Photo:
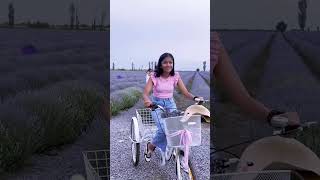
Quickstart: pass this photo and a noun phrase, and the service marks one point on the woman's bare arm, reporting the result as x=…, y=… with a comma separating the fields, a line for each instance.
x=146, y=93
x=228, y=77
x=184, y=90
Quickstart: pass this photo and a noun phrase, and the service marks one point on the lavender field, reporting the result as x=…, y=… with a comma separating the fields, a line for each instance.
x=125, y=83
x=280, y=70
x=52, y=101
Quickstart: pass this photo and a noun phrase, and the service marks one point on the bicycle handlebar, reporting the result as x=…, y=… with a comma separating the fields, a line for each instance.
x=155, y=106
x=200, y=101
x=279, y=121
x=293, y=128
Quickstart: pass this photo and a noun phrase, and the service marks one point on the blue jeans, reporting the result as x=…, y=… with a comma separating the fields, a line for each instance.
x=159, y=140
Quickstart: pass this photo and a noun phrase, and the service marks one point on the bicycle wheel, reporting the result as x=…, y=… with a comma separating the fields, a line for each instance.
x=135, y=147
x=181, y=174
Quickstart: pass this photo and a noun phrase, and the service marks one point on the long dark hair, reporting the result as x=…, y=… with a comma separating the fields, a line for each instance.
x=159, y=69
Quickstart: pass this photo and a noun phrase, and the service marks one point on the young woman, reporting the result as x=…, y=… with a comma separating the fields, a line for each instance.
x=162, y=82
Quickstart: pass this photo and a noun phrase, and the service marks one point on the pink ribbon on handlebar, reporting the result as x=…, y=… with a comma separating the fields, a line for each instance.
x=185, y=140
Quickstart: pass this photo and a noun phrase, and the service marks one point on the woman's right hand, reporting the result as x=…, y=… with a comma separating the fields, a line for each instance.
x=147, y=104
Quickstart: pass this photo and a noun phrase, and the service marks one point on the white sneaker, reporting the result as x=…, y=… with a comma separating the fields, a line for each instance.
x=147, y=153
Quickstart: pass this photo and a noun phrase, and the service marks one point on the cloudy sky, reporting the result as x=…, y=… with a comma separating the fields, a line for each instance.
x=54, y=11
x=141, y=30
x=261, y=14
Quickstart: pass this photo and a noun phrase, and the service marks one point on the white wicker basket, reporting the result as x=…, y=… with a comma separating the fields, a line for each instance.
x=97, y=164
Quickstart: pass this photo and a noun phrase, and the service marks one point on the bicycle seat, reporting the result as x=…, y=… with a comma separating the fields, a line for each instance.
x=276, y=153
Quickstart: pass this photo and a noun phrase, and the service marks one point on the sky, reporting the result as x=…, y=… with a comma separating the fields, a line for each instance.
x=142, y=30
x=261, y=14
x=54, y=11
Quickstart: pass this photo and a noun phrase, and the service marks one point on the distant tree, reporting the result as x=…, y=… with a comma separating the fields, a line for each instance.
x=302, y=13
x=77, y=18
x=72, y=14
x=94, y=24
x=113, y=66
x=132, y=66
x=204, y=65
x=149, y=64
x=103, y=17
x=152, y=65
x=39, y=24
x=11, y=14
x=198, y=69
x=281, y=26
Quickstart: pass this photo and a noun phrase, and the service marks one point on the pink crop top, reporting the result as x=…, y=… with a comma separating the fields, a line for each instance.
x=164, y=87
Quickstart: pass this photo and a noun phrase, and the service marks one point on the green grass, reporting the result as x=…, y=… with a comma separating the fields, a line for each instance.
x=34, y=122
x=124, y=99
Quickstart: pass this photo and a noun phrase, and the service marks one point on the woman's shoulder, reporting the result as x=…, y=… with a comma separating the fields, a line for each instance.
x=153, y=78
x=176, y=75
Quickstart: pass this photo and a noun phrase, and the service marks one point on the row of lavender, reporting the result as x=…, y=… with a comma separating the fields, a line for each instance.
x=50, y=89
